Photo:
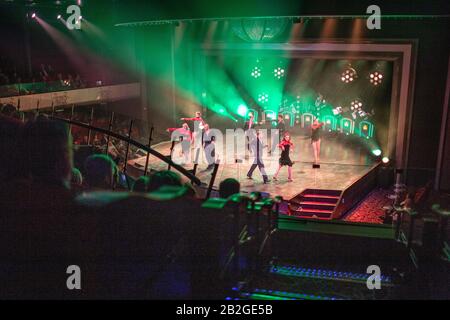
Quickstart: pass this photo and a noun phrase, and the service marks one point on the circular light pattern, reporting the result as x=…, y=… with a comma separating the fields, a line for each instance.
x=263, y=97
x=256, y=72
x=375, y=78
x=356, y=105
x=356, y=109
x=385, y=160
x=278, y=72
x=349, y=75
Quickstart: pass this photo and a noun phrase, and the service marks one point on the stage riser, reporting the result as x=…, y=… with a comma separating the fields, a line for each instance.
x=318, y=206
x=315, y=203
x=324, y=192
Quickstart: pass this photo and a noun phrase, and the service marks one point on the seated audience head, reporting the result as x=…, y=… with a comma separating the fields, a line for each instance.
x=164, y=178
x=100, y=172
x=229, y=187
x=141, y=184
x=9, y=110
x=48, y=148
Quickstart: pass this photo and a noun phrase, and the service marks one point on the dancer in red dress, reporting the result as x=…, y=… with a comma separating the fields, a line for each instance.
x=185, y=136
x=197, y=137
x=286, y=147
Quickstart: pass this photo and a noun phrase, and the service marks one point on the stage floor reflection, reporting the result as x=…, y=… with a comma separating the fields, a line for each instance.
x=342, y=163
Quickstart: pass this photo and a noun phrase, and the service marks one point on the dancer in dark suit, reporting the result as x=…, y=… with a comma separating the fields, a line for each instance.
x=257, y=147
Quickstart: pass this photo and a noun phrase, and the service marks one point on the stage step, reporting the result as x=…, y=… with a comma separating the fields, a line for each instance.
x=326, y=214
x=314, y=203
x=308, y=198
x=323, y=192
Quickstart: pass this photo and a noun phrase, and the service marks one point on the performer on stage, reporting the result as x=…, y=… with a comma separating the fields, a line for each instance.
x=249, y=125
x=257, y=148
x=209, y=147
x=286, y=147
x=199, y=124
x=315, y=139
x=185, y=135
x=281, y=126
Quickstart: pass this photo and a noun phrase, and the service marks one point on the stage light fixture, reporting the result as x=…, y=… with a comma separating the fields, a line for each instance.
x=58, y=17
x=33, y=15
x=242, y=110
x=356, y=105
x=263, y=97
x=256, y=72
x=375, y=78
x=349, y=74
x=278, y=72
x=385, y=160
x=376, y=152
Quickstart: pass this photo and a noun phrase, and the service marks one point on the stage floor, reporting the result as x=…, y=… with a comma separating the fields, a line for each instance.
x=341, y=165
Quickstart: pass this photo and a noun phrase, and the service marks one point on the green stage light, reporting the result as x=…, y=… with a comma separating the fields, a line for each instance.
x=256, y=72
x=376, y=152
x=263, y=97
x=242, y=110
x=278, y=72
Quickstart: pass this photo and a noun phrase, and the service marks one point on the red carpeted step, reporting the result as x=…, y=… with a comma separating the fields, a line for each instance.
x=317, y=205
x=309, y=195
x=310, y=198
x=311, y=217
x=313, y=211
x=323, y=192
x=315, y=202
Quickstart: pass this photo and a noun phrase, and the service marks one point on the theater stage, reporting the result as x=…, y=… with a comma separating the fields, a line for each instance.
x=342, y=163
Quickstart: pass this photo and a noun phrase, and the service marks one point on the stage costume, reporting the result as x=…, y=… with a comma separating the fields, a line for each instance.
x=315, y=141
x=315, y=133
x=197, y=137
x=185, y=136
x=257, y=150
x=209, y=148
x=285, y=160
x=249, y=128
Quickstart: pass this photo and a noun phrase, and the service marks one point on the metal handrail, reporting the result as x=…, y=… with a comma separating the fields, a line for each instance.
x=148, y=149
